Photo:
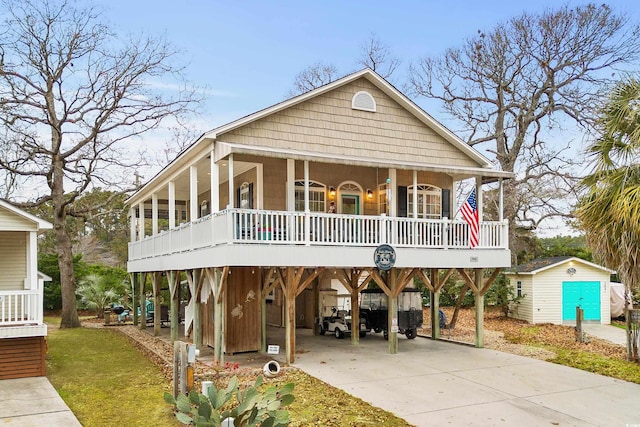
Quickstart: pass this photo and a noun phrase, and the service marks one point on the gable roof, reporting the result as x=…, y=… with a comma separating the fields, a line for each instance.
x=381, y=84
x=541, y=264
x=40, y=224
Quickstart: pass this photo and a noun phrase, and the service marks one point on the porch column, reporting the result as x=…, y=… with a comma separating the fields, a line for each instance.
x=479, y=196
x=479, y=302
x=193, y=193
x=260, y=185
x=393, y=311
x=355, y=307
x=232, y=192
x=291, y=185
x=141, y=220
x=31, y=279
x=215, y=184
x=501, y=203
x=307, y=220
x=415, y=194
x=393, y=207
x=172, y=205
x=132, y=224
x=154, y=214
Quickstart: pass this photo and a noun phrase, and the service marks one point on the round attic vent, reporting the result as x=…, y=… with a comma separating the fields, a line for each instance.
x=363, y=101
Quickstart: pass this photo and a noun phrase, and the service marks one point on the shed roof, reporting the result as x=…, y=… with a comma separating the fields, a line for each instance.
x=541, y=264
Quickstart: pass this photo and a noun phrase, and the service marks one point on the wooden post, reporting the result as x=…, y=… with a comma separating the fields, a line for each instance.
x=263, y=311
x=435, y=304
x=218, y=317
x=479, y=301
x=174, y=290
x=135, y=279
x=143, y=303
x=198, y=277
x=290, y=316
x=156, y=278
x=355, y=314
x=393, y=312
x=316, y=308
x=176, y=368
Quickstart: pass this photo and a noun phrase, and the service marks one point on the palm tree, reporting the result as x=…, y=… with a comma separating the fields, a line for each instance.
x=97, y=293
x=609, y=213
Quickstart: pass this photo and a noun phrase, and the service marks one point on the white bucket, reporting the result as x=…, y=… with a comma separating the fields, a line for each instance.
x=271, y=369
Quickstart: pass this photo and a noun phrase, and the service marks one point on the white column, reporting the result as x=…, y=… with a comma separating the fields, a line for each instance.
x=172, y=205
x=140, y=220
x=31, y=281
x=479, y=196
x=306, y=185
x=454, y=199
x=232, y=193
x=415, y=194
x=132, y=224
x=154, y=214
x=393, y=204
x=215, y=184
x=260, y=185
x=501, y=203
x=291, y=185
x=193, y=193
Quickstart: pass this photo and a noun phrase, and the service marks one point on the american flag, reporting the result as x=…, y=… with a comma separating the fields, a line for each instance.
x=470, y=214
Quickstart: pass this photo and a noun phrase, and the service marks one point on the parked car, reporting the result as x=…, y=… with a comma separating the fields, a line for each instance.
x=374, y=304
x=339, y=323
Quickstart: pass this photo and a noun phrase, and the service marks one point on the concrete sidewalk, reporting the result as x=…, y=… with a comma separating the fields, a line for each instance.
x=33, y=402
x=434, y=383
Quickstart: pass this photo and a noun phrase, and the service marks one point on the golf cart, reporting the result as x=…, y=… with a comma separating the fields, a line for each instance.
x=374, y=305
x=339, y=323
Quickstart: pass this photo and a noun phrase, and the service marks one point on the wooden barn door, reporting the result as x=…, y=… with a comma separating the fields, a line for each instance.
x=242, y=311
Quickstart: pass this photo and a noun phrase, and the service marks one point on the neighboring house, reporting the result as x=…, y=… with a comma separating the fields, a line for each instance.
x=22, y=330
x=554, y=287
x=243, y=213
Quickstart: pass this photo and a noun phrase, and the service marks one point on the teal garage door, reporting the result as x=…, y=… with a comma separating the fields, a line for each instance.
x=584, y=294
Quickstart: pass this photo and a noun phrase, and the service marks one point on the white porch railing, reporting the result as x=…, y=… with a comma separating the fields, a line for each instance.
x=21, y=307
x=314, y=228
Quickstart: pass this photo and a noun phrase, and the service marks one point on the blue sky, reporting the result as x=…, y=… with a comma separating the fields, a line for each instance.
x=248, y=52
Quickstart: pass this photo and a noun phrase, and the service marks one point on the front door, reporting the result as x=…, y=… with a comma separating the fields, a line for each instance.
x=583, y=294
x=350, y=204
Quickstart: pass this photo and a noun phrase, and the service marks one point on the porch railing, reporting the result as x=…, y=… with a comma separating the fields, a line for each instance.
x=21, y=307
x=315, y=228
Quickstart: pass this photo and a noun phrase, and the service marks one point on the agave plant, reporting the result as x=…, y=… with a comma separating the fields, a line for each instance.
x=254, y=407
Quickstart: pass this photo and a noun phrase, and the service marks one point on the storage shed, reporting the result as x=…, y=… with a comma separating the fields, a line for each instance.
x=553, y=287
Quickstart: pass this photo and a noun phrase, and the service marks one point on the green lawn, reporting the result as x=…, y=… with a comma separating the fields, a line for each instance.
x=104, y=380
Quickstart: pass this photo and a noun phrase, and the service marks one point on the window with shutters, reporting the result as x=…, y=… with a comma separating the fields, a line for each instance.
x=429, y=201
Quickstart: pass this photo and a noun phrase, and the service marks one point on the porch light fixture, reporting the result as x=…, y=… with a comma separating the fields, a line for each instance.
x=369, y=194
x=571, y=271
x=332, y=192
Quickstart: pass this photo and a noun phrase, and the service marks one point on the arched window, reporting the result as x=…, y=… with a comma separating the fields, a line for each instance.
x=429, y=201
x=317, y=196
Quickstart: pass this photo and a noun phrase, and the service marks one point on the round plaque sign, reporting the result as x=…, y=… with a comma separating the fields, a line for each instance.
x=384, y=257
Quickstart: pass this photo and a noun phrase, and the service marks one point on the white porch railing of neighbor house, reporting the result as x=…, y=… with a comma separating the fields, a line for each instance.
x=21, y=307
x=315, y=228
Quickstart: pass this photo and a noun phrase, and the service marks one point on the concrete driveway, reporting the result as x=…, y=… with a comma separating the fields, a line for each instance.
x=432, y=383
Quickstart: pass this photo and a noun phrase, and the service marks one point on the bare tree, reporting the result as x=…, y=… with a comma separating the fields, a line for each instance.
x=71, y=95
x=377, y=56
x=519, y=85
x=313, y=77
